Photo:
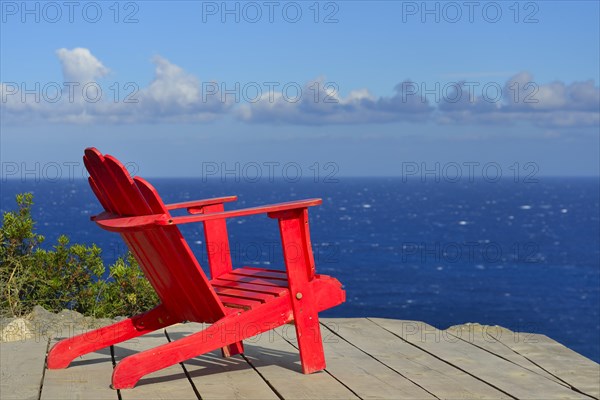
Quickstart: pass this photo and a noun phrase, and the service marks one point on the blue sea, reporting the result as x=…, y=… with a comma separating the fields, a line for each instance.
x=525, y=256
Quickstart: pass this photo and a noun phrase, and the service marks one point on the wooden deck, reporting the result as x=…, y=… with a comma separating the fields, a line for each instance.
x=367, y=358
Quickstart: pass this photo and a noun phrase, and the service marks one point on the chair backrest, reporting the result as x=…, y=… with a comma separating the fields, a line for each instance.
x=162, y=252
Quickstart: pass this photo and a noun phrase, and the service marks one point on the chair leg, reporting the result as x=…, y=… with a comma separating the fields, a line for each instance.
x=310, y=344
x=65, y=351
x=233, y=349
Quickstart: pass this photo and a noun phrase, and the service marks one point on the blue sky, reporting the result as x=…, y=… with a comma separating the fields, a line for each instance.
x=369, y=86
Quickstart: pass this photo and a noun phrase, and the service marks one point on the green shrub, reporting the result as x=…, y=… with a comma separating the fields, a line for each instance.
x=68, y=276
x=128, y=292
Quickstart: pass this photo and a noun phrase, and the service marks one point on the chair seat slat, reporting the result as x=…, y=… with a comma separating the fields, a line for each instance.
x=244, y=294
x=259, y=274
x=254, y=280
x=236, y=302
x=251, y=287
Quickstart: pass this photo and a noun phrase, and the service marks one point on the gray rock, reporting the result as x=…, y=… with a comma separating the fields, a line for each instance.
x=17, y=329
x=43, y=324
x=67, y=323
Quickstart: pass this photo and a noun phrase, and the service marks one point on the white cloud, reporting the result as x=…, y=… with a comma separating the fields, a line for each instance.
x=79, y=65
x=584, y=96
x=551, y=96
x=174, y=93
x=172, y=85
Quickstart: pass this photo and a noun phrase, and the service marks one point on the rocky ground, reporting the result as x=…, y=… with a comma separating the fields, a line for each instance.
x=41, y=323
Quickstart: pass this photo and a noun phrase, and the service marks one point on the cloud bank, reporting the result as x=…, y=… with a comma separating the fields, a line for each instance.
x=175, y=95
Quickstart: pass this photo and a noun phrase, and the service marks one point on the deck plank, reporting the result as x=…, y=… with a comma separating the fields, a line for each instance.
x=361, y=373
x=216, y=377
x=279, y=363
x=437, y=377
x=482, y=336
x=87, y=377
x=21, y=368
x=167, y=383
x=571, y=367
x=504, y=375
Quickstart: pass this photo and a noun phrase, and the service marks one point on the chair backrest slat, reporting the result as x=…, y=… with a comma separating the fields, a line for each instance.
x=162, y=252
x=150, y=195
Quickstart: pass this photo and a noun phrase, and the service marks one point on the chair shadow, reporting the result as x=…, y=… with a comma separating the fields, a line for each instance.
x=106, y=353
x=213, y=363
x=205, y=365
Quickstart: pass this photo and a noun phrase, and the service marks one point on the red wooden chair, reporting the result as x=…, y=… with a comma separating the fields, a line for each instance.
x=239, y=303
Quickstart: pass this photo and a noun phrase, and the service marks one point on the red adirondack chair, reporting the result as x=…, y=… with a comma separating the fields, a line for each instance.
x=239, y=303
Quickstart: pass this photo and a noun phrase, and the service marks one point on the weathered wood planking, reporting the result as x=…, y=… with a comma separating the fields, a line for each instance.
x=510, y=378
x=278, y=362
x=366, y=358
x=570, y=367
x=216, y=377
x=483, y=336
x=88, y=377
x=168, y=383
x=359, y=371
x=435, y=376
x=22, y=368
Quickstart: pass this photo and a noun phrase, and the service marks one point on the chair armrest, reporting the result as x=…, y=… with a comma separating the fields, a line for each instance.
x=116, y=223
x=271, y=208
x=200, y=203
